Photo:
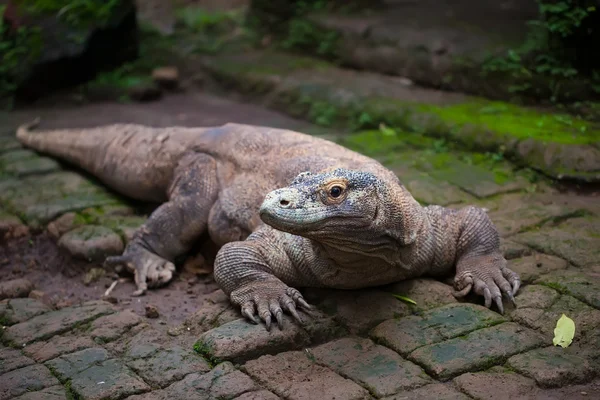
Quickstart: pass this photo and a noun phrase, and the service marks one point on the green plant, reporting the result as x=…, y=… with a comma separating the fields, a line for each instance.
x=540, y=55
x=17, y=49
x=75, y=12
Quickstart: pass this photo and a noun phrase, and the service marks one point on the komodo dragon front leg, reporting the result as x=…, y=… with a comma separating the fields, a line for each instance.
x=173, y=227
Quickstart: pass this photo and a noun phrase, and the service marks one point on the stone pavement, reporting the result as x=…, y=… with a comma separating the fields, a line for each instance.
x=359, y=344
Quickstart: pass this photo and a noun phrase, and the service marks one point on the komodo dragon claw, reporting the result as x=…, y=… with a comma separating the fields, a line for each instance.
x=489, y=277
x=150, y=270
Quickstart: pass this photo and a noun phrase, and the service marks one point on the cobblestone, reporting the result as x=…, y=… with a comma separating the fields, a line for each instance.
x=409, y=333
x=239, y=340
x=376, y=368
x=111, y=327
x=223, y=382
x=544, y=320
x=576, y=240
x=56, y=322
x=294, y=376
x=532, y=267
x=51, y=393
x=554, y=366
x=92, y=243
x=477, y=350
x=438, y=391
x=13, y=311
x=12, y=359
x=57, y=346
x=496, y=383
x=15, y=288
x=427, y=293
x=581, y=284
x=28, y=379
x=93, y=375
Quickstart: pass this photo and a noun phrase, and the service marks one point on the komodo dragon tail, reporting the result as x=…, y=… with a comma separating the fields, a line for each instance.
x=131, y=159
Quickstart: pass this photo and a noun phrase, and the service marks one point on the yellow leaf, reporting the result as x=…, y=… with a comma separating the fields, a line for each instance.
x=564, y=331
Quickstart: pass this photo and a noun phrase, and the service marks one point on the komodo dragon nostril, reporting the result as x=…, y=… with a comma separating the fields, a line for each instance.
x=284, y=203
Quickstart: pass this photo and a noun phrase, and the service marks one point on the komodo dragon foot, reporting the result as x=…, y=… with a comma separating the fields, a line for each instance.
x=270, y=299
x=149, y=269
x=488, y=276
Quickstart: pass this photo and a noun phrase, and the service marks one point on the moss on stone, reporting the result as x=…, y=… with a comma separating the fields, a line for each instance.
x=517, y=121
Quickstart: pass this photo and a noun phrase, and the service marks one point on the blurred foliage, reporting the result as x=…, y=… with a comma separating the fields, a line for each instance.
x=547, y=52
x=17, y=49
x=76, y=13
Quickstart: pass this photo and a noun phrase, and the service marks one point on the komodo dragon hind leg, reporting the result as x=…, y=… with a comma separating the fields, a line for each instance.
x=172, y=228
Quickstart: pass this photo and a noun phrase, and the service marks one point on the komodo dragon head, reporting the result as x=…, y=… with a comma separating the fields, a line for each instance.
x=344, y=208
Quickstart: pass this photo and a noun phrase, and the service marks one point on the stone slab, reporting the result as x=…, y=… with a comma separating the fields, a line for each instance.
x=110, y=327
x=28, y=379
x=428, y=190
x=554, y=366
x=477, y=350
x=13, y=311
x=437, y=391
x=167, y=365
x=56, y=322
x=51, y=393
x=11, y=359
x=500, y=385
x=241, y=340
x=581, y=284
x=57, y=346
x=107, y=380
x=377, y=368
x=67, y=366
x=512, y=249
x=586, y=318
x=409, y=333
x=532, y=267
x=576, y=240
x=427, y=293
x=292, y=375
x=223, y=382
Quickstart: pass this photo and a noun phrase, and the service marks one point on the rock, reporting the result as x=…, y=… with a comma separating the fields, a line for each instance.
x=62, y=225
x=144, y=92
x=479, y=349
x=223, y=382
x=57, y=346
x=553, y=367
x=92, y=243
x=15, y=288
x=36, y=294
x=151, y=311
x=11, y=359
x=23, y=380
x=54, y=323
x=293, y=375
x=93, y=275
x=241, y=340
x=73, y=50
x=11, y=226
x=503, y=385
x=406, y=334
x=13, y=311
x=166, y=77
x=377, y=368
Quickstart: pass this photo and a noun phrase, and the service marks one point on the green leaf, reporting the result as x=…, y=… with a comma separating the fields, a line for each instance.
x=405, y=299
x=564, y=331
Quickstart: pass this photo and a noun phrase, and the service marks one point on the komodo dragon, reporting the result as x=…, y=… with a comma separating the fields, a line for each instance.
x=332, y=217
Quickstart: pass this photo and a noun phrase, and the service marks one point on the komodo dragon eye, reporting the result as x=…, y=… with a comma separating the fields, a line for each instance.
x=335, y=191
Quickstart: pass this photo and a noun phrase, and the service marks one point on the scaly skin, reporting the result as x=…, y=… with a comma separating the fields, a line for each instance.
x=345, y=221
